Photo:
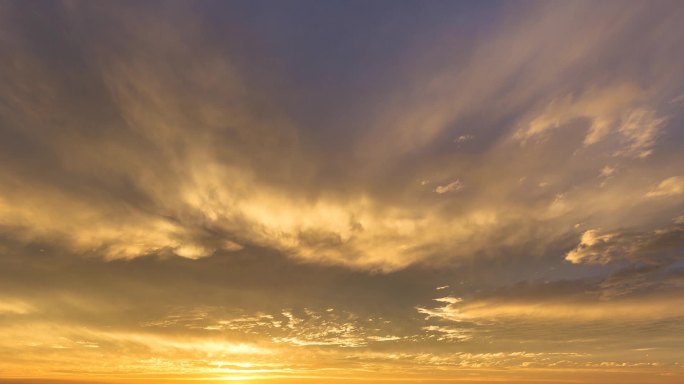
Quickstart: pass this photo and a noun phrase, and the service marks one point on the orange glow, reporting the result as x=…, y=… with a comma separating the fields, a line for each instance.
x=287, y=192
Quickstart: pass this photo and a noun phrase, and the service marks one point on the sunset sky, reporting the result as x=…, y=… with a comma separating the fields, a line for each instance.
x=342, y=192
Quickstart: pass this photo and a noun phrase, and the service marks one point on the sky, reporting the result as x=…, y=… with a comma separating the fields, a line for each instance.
x=342, y=191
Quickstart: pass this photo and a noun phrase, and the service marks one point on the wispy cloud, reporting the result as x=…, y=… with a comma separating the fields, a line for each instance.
x=451, y=187
x=671, y=186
